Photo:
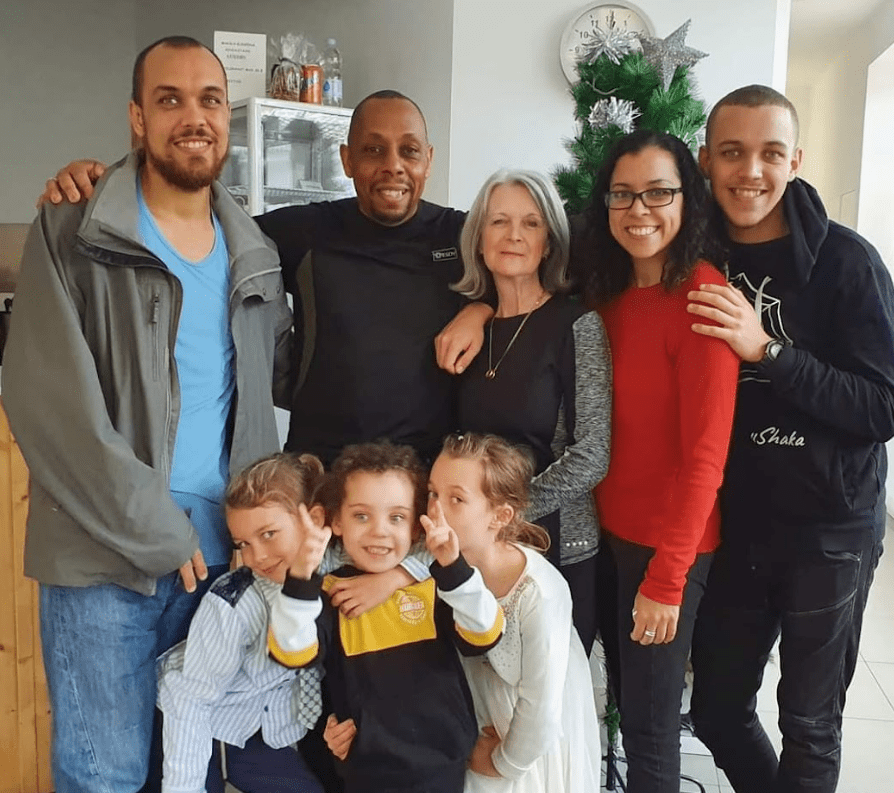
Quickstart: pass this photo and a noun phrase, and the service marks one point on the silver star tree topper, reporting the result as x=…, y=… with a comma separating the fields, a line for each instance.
x=667, y=55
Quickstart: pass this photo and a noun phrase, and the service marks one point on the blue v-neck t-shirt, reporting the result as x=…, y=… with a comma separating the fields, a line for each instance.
x=203, y=354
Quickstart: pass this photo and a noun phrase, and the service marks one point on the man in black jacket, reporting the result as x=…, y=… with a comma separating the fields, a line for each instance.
x=811, y=313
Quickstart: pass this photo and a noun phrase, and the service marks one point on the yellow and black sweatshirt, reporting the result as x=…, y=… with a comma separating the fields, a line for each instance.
x=395, y=671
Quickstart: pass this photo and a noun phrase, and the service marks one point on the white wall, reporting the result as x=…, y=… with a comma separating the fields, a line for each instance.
x=64, y=81
x=876, y=193
x=830, y=95
x=509, y=95
x=876, y=189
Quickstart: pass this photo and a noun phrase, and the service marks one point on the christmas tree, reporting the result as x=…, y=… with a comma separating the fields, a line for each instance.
x=622, y=89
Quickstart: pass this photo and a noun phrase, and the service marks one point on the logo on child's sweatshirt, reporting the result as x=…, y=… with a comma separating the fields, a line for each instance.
x=774, y=435
x=410, y=607
x=407, y=617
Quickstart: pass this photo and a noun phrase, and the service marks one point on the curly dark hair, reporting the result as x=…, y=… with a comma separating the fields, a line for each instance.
x=376, y=458
x=610, y=268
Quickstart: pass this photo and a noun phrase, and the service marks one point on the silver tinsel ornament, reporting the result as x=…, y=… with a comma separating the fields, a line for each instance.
x=615, y=42
x=667, y=55
x=613, y=111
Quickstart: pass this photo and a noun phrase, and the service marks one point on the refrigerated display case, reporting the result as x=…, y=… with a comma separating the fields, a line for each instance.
x=284, y=153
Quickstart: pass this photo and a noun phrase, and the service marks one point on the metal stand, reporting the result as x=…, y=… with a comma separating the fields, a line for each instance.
x=612, y=777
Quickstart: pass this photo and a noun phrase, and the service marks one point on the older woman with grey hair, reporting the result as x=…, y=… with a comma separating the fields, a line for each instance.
x=543, y=377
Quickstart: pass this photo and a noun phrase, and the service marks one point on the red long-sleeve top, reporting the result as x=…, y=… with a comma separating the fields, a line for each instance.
x=672, y=412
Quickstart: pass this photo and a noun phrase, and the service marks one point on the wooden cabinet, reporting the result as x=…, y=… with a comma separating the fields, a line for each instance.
x=24, y=707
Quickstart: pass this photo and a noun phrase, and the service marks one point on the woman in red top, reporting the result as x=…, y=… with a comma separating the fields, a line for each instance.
x=672, y=412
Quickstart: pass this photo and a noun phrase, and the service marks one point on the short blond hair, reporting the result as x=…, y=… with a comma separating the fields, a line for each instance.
x=285, y=479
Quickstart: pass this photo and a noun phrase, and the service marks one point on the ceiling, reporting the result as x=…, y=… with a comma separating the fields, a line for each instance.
x=819, y=27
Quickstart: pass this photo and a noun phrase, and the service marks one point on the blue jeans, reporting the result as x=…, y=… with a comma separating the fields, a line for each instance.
x=99, y=649
x=647, y=679
x=815, y=600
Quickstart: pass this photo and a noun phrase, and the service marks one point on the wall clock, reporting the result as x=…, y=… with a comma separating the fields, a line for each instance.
x=593, y=23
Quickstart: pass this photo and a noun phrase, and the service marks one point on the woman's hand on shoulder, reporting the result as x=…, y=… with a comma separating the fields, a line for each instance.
x=653, y=622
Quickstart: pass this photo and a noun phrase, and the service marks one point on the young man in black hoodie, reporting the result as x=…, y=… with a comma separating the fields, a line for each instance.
x=811, y=313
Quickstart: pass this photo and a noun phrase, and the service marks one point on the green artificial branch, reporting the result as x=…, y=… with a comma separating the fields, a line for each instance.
x=675, y=110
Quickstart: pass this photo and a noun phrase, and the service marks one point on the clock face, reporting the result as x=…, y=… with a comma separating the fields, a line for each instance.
x=594, y=22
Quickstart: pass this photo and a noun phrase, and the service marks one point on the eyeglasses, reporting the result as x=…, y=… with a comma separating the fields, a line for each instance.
x=656, y=197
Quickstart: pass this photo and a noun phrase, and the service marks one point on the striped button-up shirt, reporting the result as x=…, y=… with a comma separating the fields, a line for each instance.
x=221, y=683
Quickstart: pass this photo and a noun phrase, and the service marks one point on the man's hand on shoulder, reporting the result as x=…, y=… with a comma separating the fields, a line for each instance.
x=738, y=324
x=73, y=182
x=462, y=338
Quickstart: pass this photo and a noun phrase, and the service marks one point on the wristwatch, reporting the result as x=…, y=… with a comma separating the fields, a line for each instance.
x=772, y=350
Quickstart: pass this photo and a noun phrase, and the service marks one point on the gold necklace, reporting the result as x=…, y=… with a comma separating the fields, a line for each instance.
x=491, y=372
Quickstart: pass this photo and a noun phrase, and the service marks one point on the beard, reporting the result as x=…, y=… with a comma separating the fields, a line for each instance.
x=195, y=175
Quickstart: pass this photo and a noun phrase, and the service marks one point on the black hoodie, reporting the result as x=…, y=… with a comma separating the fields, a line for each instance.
x=807, y=461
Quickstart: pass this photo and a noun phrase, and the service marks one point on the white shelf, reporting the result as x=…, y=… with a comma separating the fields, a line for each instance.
x=284, y=153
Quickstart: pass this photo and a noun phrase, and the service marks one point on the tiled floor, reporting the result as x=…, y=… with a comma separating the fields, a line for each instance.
x=868, y=733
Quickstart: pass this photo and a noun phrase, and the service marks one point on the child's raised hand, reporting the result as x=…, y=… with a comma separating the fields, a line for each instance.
x=339, y=735
x=314, y=541
x=481, y=761
x=440, y=538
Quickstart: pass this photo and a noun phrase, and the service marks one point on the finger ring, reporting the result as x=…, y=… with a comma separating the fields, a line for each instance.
x=650, y=634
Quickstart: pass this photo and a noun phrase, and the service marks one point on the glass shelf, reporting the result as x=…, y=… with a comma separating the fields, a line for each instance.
x=284, y=153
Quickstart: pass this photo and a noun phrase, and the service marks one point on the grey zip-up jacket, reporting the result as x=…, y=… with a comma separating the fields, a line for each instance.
x=90, y=384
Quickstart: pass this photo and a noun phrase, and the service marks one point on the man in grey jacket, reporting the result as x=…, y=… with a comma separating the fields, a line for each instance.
x=139, y=371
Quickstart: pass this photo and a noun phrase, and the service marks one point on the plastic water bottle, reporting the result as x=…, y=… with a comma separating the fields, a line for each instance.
x=331, y=64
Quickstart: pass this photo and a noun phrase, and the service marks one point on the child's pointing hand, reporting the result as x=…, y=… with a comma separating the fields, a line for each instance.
x=440, y=539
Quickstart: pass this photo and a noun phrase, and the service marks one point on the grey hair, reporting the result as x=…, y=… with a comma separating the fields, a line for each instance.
x=477, y=280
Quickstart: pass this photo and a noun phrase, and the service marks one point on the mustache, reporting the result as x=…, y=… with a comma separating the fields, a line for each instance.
x=198, y=136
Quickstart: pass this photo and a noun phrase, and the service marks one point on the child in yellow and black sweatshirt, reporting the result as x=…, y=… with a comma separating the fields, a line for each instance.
x=394, y=671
